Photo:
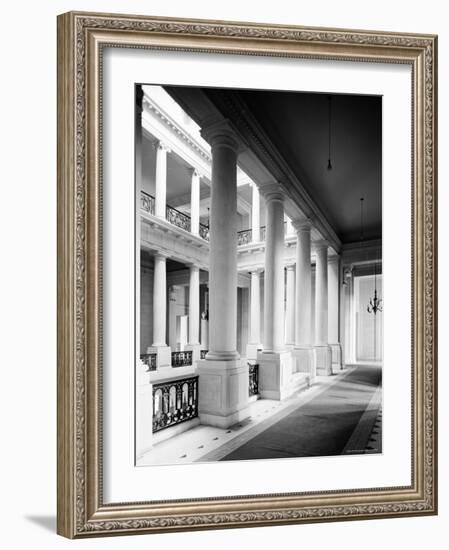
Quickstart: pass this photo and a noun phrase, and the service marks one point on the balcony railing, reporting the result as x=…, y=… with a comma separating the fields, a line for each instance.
x=182, y=220
x=203, y=353
x=181, y=358
x=147, y=202
x=172, y=215
x=204, y=232
x=178, y=218
x=253, y=387
x=244, y=237
x=149, y=359
x=174, y=402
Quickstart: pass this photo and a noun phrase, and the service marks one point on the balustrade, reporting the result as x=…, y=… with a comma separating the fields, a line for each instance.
x=147, y=202
x=174, y=402
x=175, y=217
x=179, y=219
x=244, y=237
x=181, y=358
x=204, y=231
x=253, y=372
x=203, y=353
x=149, y=359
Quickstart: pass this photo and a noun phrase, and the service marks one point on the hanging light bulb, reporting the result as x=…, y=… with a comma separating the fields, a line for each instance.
x=329, y=163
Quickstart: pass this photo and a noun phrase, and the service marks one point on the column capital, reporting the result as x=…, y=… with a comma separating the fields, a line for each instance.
x=256, y=270
x=272, y=192
x=333, y=259
x=302, y=225
x=159, y=145
x=161, y=255
x=290, y=266
x=320, y=245
x=193, y=267
x=221, y=134
x=195, y=172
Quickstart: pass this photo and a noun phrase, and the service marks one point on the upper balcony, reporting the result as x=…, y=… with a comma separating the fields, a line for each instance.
x=181, y=220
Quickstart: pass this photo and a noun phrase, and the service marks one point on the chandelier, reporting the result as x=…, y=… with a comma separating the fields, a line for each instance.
x=375, y=304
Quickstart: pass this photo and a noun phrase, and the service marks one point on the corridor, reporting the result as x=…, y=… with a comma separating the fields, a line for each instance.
x=339, y=414
x=324, y=425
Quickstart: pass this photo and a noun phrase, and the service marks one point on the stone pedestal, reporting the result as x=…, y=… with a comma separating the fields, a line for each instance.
x=252, y=350
x=144, y=410
x=336, y=355
x=196, y=351
x=275, y=374
x=223, y=392
x=304, y=361
x=163, y=355
x=323, y=360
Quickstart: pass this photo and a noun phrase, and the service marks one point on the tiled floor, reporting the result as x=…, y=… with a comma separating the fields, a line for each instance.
x=206, y=443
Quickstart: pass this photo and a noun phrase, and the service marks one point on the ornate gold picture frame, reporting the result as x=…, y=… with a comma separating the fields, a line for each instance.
x=82, y=40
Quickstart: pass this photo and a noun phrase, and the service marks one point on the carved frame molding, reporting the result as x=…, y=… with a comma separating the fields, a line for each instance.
x=81, y=37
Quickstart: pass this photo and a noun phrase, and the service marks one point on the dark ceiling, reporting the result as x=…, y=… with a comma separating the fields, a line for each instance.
x=298, y=126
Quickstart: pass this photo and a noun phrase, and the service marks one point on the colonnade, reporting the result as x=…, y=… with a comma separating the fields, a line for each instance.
x=287, y=348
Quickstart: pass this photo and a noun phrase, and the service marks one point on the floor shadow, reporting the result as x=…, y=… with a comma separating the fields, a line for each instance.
x=46, y=522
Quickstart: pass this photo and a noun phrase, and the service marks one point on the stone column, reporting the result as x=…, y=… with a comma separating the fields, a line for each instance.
x=160, y=200
x=160, y=313
x=303, y=352
x=172, y=310
x=195, y=203
x=254, y=323
x=275, y=362
x=290, y=306
x=274, y=274
x=322, y=350
x=223, y=382
x=349, y=316
x=194, y=313
x=333, y=277
x=255, y=214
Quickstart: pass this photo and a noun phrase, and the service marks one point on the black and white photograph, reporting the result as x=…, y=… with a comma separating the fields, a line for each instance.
x=258, y=274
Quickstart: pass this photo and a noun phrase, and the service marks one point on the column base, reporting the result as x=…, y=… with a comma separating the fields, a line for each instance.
x=252, y=349
x=275, y=374
x=337, y=362
x=323, y=360
x=163, y=356
x=304, y=361
x=223, y=392
x=196, y=351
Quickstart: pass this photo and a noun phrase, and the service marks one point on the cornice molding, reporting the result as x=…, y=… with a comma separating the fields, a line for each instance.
x=153, y=108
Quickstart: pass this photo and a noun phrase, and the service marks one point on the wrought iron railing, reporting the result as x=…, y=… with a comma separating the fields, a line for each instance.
x=149, y=359
x=174, y=216
x=174, y=402
x=244, y=237
x=181, y=358
x=182, y=220
x=178, y=218
x=147, y=202
x=203, y=353
x=253, y=371
x=204, y=231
